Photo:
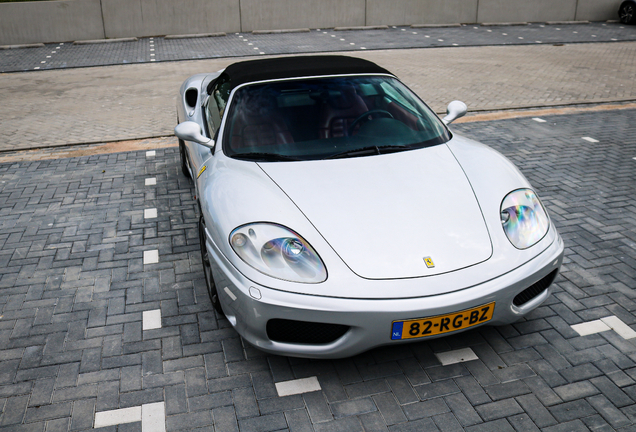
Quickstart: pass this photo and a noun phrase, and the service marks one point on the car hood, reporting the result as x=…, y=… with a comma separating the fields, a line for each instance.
x=384, y=215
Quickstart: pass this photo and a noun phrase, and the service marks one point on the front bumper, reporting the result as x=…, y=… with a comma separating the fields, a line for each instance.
x=249, y=306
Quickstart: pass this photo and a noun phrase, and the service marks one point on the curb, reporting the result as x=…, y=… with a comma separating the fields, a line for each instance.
x=33, y=45
x=375, y=27
x=566, y=22
x=435, y=25
x=504, y=24
x=103, y=41
x=196, y=35
x=300, y=30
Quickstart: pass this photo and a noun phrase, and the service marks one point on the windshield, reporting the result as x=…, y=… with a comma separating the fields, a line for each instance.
x=324, y=118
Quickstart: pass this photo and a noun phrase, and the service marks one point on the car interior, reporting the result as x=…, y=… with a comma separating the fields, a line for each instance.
x=324, y=115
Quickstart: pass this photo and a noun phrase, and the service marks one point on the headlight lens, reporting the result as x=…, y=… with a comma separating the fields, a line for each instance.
x=278, y=252
x=523, y=218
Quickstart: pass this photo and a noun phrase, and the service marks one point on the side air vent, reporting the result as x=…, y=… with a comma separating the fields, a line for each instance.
x=191, y=96
x=302, y=332
x=534, y=290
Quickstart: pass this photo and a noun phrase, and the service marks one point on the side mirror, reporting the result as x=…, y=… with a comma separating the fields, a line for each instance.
x=455, y=110
x=191, y=131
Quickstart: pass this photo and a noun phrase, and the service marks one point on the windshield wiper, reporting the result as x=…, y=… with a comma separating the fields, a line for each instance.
x=367, y=151
x=264, y=157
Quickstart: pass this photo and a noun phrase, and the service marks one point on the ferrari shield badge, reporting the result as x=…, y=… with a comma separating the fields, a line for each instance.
x=429, y=262
x=201, y=171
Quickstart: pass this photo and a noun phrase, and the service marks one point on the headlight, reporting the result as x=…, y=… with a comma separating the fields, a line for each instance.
x=523, y=218
x=278, y=252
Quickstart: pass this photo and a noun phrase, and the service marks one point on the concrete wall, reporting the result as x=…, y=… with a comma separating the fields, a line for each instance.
x=291, y=14
x=50, y=21
x=69, y=20
x=406, y=12
x=597, y=10
x=493, y=11
x=123, y=18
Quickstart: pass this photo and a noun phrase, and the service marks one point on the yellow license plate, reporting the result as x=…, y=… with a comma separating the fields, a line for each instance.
x=440, y=324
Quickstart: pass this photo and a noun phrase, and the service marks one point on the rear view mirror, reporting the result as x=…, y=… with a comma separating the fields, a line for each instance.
x=191, y=131
x=455, y=110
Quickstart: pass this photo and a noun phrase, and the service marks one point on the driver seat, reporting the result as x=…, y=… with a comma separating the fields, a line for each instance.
x=337, y=113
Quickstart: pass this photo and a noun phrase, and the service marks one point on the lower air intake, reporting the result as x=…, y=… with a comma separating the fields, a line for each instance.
x=302, y=332
x=529, y=293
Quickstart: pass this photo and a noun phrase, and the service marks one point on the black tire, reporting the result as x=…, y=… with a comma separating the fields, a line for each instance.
x=627, y=13
x=207, y=269
x=184, y=159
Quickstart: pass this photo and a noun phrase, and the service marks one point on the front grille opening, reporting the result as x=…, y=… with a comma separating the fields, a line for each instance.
x=303, y=332
x=534, y=290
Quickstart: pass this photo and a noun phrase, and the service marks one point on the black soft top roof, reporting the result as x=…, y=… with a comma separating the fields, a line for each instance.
x=299, y=66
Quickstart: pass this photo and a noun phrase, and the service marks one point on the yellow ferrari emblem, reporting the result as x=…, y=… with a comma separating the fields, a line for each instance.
x=201, y=171
x=429, y=262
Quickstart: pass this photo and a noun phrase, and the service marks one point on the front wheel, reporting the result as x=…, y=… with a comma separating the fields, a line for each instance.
x=207, y=268
x=627, y=13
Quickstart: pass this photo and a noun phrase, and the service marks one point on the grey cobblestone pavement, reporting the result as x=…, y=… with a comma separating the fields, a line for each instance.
x=67, y=55
x=74, y=289
x=109, y=103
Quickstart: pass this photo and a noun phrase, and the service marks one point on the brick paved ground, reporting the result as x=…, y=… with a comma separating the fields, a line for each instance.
x=66, y=55
x=83, y=105
x=73, y=289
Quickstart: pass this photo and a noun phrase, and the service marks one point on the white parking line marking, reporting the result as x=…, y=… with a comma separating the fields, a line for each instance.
x=150, y=153
x=150, y=213
x=619, y=327
x=456, y=356
x=537, y=119
x=592, y=140
x=303, y=385
x=118, y=416
x=151, y=256
x=38, y=67
x=590, y=327
x=151, y=181
x=151, y=319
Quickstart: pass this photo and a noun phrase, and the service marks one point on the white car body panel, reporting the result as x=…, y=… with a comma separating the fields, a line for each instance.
x=381, y=234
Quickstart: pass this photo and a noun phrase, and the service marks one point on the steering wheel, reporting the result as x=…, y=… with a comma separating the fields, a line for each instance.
x=367, y=116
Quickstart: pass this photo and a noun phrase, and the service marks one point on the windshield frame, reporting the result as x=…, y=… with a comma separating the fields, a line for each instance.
x=223, y=130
